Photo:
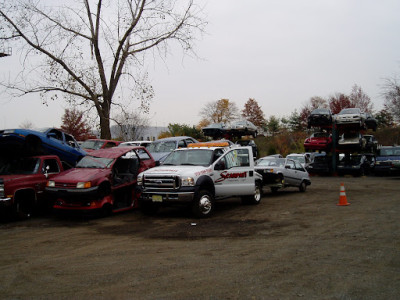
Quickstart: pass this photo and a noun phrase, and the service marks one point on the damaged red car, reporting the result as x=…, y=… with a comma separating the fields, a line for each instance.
x=105, y=181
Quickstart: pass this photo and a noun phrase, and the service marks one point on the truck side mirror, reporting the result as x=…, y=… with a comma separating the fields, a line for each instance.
x=220, y=165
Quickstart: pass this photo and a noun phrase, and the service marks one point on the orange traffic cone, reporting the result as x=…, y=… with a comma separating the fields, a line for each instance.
x=342, y=197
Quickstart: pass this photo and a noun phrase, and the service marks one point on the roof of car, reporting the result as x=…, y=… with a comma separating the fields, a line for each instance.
x=113, y=152
x=174, y=138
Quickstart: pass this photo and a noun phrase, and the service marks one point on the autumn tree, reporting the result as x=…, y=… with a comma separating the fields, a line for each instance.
x=272, y=125
x=74, y=123
x=93, y=52
x=339, y=101
x=220, y=111
x=253, y=113
x=176, y=129
x=384, y=118
x=391, y=92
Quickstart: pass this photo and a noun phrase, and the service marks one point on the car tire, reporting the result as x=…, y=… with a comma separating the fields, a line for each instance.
x=303, y=186
x=203, y=204
x=256, y=198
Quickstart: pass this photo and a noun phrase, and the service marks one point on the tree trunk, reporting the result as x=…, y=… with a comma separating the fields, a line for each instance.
x=105, y=132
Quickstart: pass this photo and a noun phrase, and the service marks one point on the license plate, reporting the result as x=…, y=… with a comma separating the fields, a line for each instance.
x=156, y=198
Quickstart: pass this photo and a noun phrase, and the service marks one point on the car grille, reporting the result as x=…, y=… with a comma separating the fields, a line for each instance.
x=65, y=185
x=161, y=182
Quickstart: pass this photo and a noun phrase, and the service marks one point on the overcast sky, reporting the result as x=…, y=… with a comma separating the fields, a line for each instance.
x=279, y=52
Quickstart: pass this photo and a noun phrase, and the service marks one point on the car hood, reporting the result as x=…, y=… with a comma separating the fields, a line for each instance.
x=17, y=177
x=179, y=170
x=81, y=174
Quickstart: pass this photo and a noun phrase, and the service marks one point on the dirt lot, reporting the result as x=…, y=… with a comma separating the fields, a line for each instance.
x=293, y=245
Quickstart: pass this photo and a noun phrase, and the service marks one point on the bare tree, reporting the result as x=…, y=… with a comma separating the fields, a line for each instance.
x=361, y=100
x=391, y=92
x=220, y=111
x=93, y=51
x=131, y=126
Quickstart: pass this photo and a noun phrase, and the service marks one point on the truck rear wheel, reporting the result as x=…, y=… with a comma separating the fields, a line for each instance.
x=256, y=197
x=203, y=204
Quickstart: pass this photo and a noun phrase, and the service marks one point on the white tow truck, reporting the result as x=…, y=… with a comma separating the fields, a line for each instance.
x=199, y=175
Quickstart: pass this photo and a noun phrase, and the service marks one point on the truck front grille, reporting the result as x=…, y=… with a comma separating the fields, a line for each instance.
x=161, y=182
x=1, y=188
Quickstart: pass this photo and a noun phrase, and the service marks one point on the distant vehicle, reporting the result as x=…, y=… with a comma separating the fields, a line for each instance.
x=350, y=116
x=387, y=160
x=215, y=130
x=319, y=117
x=318, y=141
x=359, y=164
x=352, y=140
x=22, y=184
x=250, y=143
x=160, y=149
x=241, y=128
x=27, y=142
x=321, y=164
x=96, y=144
x=302, y=158
x=370, y=121
x=135, y=143
x=103, y=181
x=279, y=173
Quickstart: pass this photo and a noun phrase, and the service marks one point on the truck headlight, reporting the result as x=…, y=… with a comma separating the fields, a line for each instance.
x=83, y=185
x=187, y=181
x=139, y=180
x=51, y=183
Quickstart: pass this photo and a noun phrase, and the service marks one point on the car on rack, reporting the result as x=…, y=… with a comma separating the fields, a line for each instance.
x=161, y=148
x=321, y=164
x=356, y=164
x=198, y=176
x=371, y=144
x=96, y=144
x=350, y=116
x=44, y=141
x=241, y=128
x=279, y=173
x=320, y=117
x=387, y=160
x=370, y=121
x=351, y=141
x=103, y=181
x=318, y=141
x=215, y=130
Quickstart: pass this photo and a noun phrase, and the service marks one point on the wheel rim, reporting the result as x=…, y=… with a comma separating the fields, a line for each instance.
x=257, y=195
x=205, y=205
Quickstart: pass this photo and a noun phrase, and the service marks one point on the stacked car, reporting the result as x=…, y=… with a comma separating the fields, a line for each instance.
x=233, y=129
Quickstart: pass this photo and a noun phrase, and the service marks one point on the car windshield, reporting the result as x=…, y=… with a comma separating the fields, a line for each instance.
x=349, y=111
x=89, y=161
x=321, y=134
x=390, y=152
x=300, y=159
x=166, y=146
x=271, y=162
x=93, y=145
x=20, y=166
x=197, y=157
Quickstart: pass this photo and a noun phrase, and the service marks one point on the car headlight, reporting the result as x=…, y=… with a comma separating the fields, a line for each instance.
x=188, y=181
x=83, y=185
x=51, y=183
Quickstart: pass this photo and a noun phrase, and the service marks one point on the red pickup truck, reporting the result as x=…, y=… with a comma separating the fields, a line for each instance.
x=22, y=183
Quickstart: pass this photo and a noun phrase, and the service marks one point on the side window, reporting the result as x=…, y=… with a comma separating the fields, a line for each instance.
x=243, y=157
x=299, y=167
x=181, y=144
x=290, y=163
x=109, y=145
x=70, y=141
x=143, y=155
x=52, y=166
x=231, y=159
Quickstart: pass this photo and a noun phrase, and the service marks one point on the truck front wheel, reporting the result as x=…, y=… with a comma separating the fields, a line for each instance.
x=256, y=198
x=203, y=204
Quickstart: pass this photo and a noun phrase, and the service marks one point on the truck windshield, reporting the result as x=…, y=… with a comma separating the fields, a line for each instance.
x=25, y=166
x=197, y=157
x=94, y=162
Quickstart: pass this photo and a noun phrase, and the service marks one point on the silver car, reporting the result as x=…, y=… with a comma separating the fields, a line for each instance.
x=280, y=173
x=350, y=116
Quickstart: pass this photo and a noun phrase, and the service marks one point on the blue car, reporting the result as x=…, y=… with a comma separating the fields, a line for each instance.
x=23, y=142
